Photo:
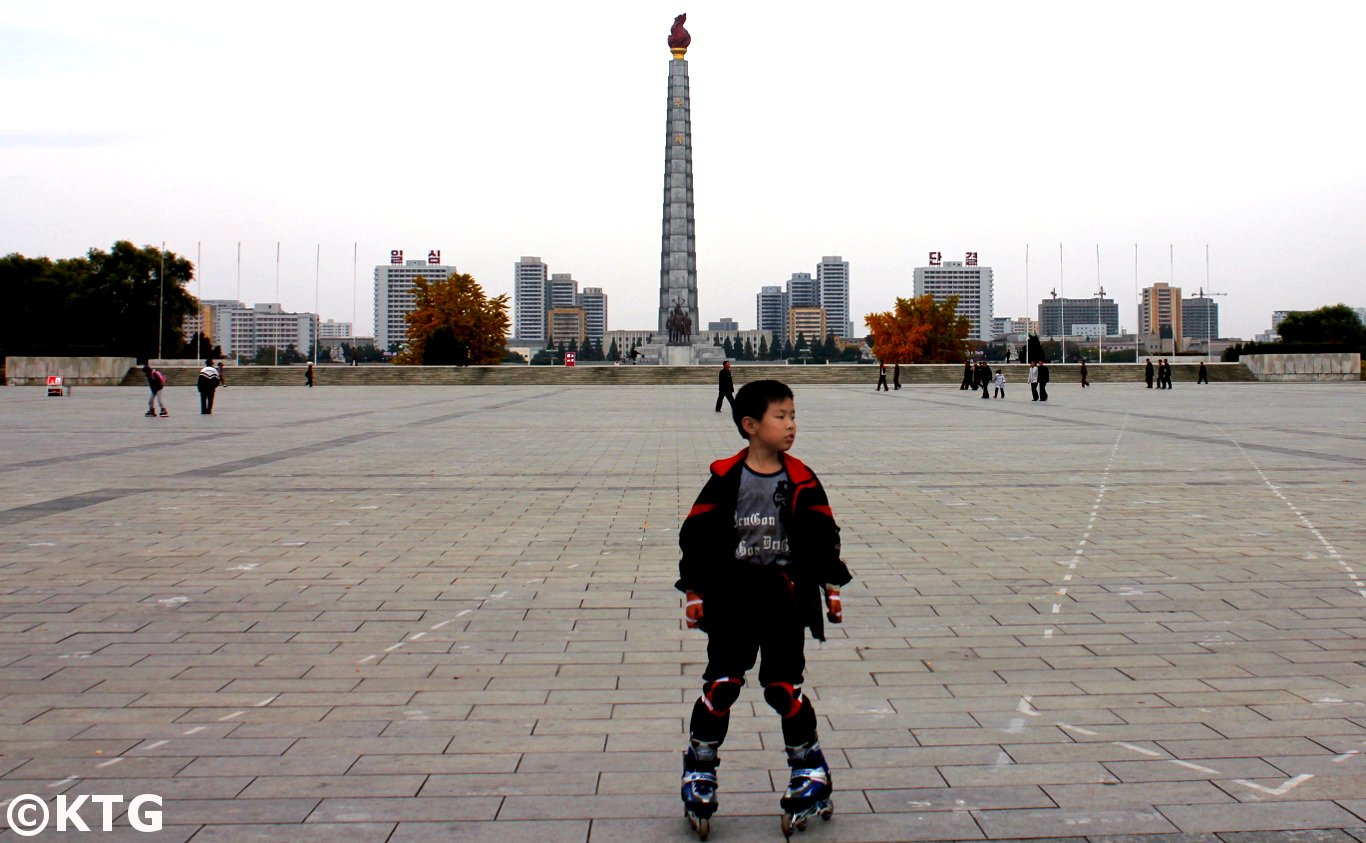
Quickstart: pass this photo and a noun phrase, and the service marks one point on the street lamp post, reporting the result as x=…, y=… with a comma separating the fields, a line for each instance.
x=1209, y=321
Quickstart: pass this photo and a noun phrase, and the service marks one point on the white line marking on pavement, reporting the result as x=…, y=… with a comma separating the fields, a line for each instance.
x=368, y=658
x=1057, y=607
x=268, y=700
x=416, y=635
x=196, y=730
x=438, y=626
x=1289, y=785
x=111, y=762
x=155, y=745
x=1139, y=749
x=393, y=647
x=463, y=612
x=235, y=714
x=67, y=780
x=1079, y=730
x=1193, y=766
x=1344, y=756
x=1024, y=706
x=1048, y=633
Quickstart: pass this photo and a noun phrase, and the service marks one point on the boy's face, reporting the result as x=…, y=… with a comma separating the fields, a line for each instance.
x=777, y=430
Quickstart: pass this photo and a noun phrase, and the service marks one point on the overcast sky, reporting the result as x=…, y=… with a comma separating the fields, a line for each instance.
x=495, y=130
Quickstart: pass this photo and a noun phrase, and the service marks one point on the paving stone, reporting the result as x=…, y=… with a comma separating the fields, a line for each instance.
x=465, y=621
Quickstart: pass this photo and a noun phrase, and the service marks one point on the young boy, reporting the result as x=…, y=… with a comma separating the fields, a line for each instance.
x=759, y=546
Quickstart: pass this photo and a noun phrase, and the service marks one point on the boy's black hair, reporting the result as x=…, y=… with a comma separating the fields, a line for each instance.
x=753, y=400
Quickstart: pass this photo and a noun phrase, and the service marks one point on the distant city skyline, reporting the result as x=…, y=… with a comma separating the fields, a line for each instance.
x=340, y=138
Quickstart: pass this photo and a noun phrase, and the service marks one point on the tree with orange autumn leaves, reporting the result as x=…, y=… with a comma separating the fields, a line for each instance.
x=454, y=323
x=919, y=331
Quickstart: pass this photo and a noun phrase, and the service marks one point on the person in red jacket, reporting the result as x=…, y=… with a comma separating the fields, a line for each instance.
x=759, y=547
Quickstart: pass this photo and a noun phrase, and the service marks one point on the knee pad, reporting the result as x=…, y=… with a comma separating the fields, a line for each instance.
x=720, y=695
x=785, y=699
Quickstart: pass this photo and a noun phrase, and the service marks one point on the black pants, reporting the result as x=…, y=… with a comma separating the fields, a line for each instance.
x=1043, y=392
x=206, y=403
x=881, y=383
x=1034, y=391
x=986, y=393
x=724, y=396
x=732, y=650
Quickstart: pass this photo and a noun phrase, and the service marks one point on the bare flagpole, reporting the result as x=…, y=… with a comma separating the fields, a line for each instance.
x=1100, y=297
x=355, y=267
x=199, y=279
x=1028, y=322
x=239, y=290
x=1138, y=302
x=1063, y=340
x=161, y=297
x=317, y=286
x=277, y=296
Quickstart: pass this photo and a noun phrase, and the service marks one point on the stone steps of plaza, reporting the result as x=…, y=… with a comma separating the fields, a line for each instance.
x=387, y=375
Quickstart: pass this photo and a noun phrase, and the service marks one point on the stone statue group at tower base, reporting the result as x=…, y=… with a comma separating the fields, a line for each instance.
x=679, y=354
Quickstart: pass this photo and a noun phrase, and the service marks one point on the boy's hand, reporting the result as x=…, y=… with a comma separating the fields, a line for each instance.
x=692, y=609
x=834, y=609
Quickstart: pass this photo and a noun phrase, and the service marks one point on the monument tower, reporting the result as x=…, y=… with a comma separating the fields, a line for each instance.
x=678, y=250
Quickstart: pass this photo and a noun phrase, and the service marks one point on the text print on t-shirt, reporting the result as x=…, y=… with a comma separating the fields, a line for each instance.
x=763, y=541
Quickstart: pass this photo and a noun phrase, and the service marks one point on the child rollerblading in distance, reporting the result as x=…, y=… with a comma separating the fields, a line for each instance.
x=759, y=546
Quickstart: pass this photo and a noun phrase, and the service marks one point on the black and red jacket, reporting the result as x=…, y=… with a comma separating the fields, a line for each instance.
x=709, y=538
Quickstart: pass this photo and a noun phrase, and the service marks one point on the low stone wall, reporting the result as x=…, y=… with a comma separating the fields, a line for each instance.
x=1304, y=367
x=75, y=371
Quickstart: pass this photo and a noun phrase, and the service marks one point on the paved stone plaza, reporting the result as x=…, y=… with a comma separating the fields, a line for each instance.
x=427, y=614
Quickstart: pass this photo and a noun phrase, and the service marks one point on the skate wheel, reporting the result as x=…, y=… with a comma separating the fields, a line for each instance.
x=703, y=828
x=787, y=826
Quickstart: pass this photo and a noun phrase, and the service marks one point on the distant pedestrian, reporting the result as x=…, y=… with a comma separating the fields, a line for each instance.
x=1164, y=374
x=1084, y=381
x=218, y=367
x=1043, y=381
x=881, y=378
x=156, y=382
x=725, y=387
x=1203, y=375
x=896, y=375
x=1034, y=380
x=1148, y=373
x=308, y=375
x=984, y=380
x=208, y=383
x=1000, y=381
x=967, y=376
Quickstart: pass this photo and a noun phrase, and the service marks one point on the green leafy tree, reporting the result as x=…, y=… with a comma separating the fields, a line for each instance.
x=462, y=325
x=106, y=303
x=1335, y=324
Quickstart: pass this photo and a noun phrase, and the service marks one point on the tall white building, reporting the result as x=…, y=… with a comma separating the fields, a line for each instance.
x=594, y=303
x=394, y=297
x=561, y=291
x=802, y=291
x=529, y=278
x=971, y=284
x=832, y=282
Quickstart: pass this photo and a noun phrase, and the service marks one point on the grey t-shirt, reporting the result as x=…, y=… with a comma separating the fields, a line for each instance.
x=763, y=541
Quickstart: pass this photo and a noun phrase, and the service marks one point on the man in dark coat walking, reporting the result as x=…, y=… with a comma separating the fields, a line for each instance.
x=725, y=387
x=984, y=380
x=1043, y=381
x=207, y=383
x=967, y=376
x=1148, y=373
x=881, y=378
x=896, y=375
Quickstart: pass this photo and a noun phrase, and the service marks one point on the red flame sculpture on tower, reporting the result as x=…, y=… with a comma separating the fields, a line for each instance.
x=679, y=39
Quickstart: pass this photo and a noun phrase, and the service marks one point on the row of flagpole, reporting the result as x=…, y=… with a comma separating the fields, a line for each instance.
x=199, y=292
x=1138, y=298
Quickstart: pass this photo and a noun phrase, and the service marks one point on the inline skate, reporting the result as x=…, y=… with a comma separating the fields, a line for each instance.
x=808, y=791
x=699, y=785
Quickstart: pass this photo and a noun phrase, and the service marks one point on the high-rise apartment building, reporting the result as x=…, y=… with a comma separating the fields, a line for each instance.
x=566, y=325
x=1064, y=317
x=1199, y=318
x=810, y=322
x=972, y=285
x=594, y=303
x=802, y=291
x=241, y=331
x=394, y=297
x=832, y=283
x=770, y=311
x=330, y=330
x=561, y=291
x=1158, y=309
x=529, y=278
